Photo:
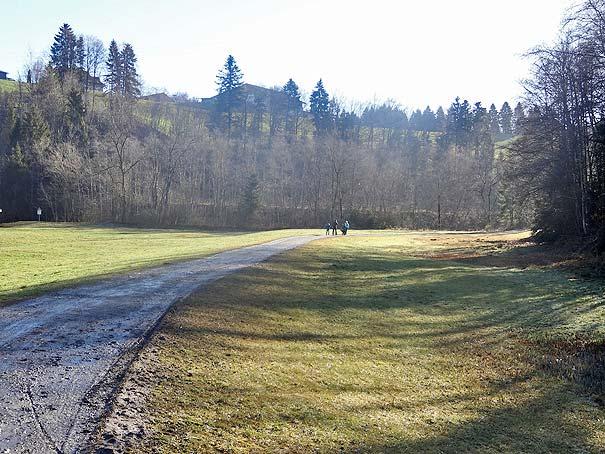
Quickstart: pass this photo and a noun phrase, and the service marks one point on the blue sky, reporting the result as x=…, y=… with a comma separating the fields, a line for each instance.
x=415, y=52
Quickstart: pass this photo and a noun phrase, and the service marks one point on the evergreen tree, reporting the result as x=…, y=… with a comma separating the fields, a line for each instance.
x=251, y=198
x=479, y=114
x=293, y=92
x=230, y=77
x=518, y=118
x=320, y=108
x=228, y=80
x=428, y=120
x=114, y=69
x=63, y=56
x=440, y=120
x=293, y=106
x=347, y=125
x=494, y=122
x=129, y=80
x=506, y=120
x=416, y=120
x=80, y=53
x=76, y=111
x=459, y=122
x=404, y=121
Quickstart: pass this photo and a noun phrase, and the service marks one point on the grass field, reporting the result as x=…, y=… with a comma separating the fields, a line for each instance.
x=8, y=86
x=36, y=258
x=395, y=343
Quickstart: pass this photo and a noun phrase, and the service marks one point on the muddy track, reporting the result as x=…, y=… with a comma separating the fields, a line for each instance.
x=61, y=355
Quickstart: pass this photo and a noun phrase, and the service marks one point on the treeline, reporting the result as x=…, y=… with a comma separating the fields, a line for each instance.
x=263, y=160
x=558, y=160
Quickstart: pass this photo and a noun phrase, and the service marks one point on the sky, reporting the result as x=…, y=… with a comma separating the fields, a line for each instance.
x=415, y=52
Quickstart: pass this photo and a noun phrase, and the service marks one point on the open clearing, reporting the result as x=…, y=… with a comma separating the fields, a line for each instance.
x=38, y=257
x=418, y=342
x=63, y=353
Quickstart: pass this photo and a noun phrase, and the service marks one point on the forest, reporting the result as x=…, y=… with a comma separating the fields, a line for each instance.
x=78, y=140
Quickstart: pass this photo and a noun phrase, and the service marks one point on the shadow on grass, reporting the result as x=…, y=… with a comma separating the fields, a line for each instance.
x=377, y=312
x=541, y=424
x=447, y=305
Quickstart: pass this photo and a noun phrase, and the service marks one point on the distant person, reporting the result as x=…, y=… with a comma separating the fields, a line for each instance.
x=335, y=227
x=328, y=227
x=345, y=227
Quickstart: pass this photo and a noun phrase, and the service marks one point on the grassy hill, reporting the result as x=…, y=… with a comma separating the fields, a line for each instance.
x=8, y=86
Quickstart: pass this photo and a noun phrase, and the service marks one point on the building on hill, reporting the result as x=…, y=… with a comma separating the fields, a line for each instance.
x=252, y=95
x=158, y=97
x=89, y=81
x=3, y=75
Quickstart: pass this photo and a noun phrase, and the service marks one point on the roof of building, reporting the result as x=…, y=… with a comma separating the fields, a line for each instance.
x=158, y=97
x=251, y=94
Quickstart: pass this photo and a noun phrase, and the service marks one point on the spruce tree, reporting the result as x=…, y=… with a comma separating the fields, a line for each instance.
x=459, y=122
x=416, y=120
x=129, y=80
x=440, y=120
x=293, y=92
x=228, y=80
x=80, y=53
x=428, y=120
x=518, y=118
x=320, y=108
x=293, y=105
x=251, y=198
x=506, y=120
x=63, y=51
x=494, y=122
x=114, y=69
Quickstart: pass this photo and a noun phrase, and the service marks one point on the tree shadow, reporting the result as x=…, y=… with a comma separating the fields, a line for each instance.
x=540, y=424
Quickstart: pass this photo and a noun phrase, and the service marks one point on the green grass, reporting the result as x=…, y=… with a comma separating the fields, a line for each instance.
x=364, y=344
x=35, y=258
x=8, y=86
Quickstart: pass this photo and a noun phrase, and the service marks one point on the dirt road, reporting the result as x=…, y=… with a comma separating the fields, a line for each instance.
x=61, y=355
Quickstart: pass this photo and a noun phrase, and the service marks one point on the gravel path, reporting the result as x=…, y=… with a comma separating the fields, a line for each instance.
x=61, y=355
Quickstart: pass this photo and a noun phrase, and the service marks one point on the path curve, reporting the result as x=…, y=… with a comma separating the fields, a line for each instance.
x=61, y=354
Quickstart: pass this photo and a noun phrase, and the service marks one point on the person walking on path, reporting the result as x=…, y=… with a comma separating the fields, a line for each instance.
x=335, y=227
x=345, y=227
x=328, y=227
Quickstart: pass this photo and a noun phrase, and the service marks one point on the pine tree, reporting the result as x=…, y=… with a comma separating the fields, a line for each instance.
x=76, y=111
x=459, y=122
x=114, y=69
x=63, y=56
x=494, y=121
x=506, y=120
x=320, y=108
x=251, y=198
x=80, y=53
x=416, y=120
x=428, y=120
x=293, y=106
x=129, y=80
x=230, y=77
x=293, y=92
x=440, y=120
x=228, y=80
x=518, y=118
